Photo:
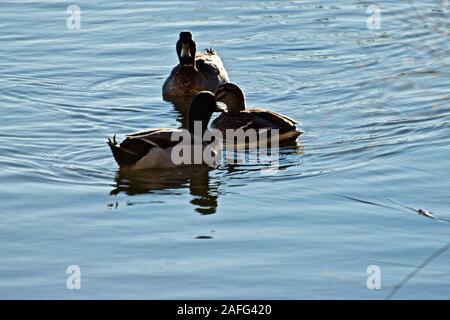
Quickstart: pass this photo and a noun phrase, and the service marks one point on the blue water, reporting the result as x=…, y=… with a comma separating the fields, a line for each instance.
x=374, y=105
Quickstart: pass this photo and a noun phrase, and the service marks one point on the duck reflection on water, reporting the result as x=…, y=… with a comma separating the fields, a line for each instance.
x=196, y=178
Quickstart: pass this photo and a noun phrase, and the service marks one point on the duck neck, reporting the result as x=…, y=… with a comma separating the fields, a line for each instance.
x=188, y=67
x=198, y=123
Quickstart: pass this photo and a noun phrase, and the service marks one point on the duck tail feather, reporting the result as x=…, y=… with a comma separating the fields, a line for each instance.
x=122, y=156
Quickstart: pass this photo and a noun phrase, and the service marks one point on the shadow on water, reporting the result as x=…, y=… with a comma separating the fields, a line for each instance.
x=181, y=105
x=195, y=178
x=252, y=159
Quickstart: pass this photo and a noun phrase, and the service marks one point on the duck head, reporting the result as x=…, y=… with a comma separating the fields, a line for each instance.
x=202, y=108
x=230, y=94
x=186, y=49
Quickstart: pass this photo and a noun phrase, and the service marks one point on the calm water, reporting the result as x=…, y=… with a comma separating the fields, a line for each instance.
x=374, y=105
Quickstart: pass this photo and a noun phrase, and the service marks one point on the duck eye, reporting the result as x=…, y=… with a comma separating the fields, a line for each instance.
x=219, y=95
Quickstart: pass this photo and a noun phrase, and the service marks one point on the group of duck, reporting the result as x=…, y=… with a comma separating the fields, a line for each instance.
x=201, y=78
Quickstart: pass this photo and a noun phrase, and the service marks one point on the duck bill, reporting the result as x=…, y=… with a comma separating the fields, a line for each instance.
x=185, y=51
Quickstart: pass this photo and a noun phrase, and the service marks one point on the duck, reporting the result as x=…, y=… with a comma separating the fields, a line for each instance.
x=238, y=117
x=195, y=72
x=153, y=148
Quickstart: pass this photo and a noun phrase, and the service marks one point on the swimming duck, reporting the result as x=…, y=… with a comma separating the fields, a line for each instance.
x=152, y=148
x=195, y=72
x=259, y=119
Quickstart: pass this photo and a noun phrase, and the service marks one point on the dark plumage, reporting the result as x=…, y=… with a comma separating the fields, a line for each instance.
x=152, y=148
x=238, y=117
x=196, y=71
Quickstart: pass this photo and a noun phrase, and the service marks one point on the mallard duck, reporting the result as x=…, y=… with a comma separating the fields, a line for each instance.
x=195, y=72
x=238, y=117
x=152, y=148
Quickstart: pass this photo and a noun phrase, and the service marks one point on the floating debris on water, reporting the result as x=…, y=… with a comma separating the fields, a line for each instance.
x=422, y=212
x=426, y=213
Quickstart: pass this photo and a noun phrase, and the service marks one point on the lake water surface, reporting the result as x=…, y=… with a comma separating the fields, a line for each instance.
x=374, y=105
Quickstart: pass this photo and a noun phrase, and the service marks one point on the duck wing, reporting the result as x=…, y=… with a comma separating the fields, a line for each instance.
x=210, y=65
x=256, y=119
x=232, y=121
x=271, y=120
x=137, y=145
